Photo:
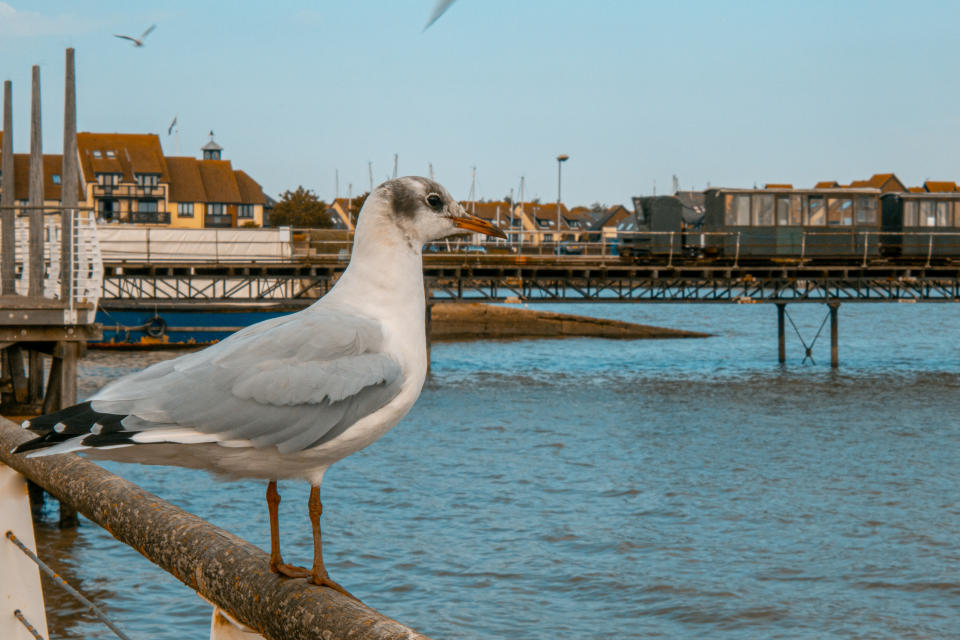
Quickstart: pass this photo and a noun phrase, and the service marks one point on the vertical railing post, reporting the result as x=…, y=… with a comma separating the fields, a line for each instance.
x=929, y=247
x=8, y=223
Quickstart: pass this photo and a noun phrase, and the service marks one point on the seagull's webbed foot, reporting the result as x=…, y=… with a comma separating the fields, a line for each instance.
x=318, y=575
x=289, y=570
x=323, y=580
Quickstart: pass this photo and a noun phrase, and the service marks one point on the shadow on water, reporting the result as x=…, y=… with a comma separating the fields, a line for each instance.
x=592, y=488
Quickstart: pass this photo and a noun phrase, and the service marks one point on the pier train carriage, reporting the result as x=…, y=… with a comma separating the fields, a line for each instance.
x=844, y=224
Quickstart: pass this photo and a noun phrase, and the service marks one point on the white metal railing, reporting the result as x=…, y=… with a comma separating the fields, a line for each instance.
x=158, y=245
x=134, y=243
x=86, y=274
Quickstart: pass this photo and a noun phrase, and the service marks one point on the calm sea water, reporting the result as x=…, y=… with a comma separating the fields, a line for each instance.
x=597, y=489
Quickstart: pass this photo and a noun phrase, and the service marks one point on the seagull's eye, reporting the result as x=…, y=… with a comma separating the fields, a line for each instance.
x=434, y=200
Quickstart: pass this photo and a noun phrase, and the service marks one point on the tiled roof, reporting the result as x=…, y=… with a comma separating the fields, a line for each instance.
x=250, y=190
x=52, y=165
x=219, y=182
x=917, y=190
x=940, y=186
x=772, y=185
x=489, y=210
x=186, y=185
x=826, y=184
x=124, y=153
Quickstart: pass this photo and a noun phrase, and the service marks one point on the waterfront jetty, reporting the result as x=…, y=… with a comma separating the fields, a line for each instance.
x=471, y=321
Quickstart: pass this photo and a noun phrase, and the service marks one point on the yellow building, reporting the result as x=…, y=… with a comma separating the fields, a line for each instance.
x=126, y=178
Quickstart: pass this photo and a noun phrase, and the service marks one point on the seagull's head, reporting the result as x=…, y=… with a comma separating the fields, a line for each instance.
x=423, y=211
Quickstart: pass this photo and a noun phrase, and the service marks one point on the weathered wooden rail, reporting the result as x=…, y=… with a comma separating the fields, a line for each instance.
x=225, y=570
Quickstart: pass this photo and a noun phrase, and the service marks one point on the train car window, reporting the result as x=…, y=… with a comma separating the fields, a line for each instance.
x=943, y=214
x=763, y=210
x=956, y=213
x=796, y=210
x=737, y=212
x=910, y=214
x=783, y=210
x=816, y=211
x=839, y=211
x=866, y=211
x=928, y=216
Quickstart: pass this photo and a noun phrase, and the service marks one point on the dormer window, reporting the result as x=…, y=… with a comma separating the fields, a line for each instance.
x=111, y=153
x=108, y=179
x=147, y=179
x=56, y=178
x=97, y=153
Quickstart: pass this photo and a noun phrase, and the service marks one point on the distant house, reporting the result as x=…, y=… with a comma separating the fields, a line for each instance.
x=52, y=166
x=605, y=226
x=127, y=179
x=827, y=184
x=940, y=186
x=543, y=218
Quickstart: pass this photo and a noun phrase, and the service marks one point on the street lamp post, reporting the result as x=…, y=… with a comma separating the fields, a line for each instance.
x=560, y=160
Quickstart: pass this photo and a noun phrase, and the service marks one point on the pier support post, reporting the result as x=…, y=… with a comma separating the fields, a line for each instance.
x=781, y=338
x=834, y=360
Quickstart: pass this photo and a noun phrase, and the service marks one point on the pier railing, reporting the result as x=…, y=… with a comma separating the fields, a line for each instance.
x=224, y=570
x=135, y=245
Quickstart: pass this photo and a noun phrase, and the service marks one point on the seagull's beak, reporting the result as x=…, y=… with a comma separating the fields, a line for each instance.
x=477, y=225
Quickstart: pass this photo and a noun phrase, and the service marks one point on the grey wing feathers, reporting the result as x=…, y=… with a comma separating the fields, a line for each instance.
x=293, y=382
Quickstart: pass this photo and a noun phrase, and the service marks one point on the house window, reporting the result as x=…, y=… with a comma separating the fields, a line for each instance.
x=245, y=211
x=56, y=178
x=146, y=206
x=111, y=154
x=185, y=209
x=97, y=154
x=216, y=209
x=147, y=179
x=108, y=179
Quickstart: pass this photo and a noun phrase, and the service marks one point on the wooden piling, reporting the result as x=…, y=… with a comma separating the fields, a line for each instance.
x=227, y=571
x=834, y=335
x=69, y=179
x=781, y=337
x=35, y=260
x=7, y=214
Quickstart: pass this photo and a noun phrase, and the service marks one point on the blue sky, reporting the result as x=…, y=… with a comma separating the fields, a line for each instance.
x=727, y=93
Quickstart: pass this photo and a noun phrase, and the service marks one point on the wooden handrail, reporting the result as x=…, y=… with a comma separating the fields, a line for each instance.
x=224, y=569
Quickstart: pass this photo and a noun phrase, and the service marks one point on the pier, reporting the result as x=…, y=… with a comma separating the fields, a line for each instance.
x=540, y=276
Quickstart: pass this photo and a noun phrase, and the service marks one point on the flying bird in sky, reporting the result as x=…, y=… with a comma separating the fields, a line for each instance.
x=137, y=42
x=288, y=397
x=438, y=10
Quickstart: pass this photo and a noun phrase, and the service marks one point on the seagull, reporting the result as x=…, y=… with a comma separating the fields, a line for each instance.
x=438, y=10
x=137, y=42
x=288, y=397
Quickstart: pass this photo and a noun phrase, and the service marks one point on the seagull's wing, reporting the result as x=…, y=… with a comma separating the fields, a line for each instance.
x=293, y=382
x=117, y=35
x=147, y=32
x=438, y=10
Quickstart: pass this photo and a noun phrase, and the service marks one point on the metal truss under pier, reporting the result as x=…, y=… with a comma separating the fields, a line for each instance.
x=551, y=280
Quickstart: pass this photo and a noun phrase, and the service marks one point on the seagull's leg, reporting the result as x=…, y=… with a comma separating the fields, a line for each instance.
x=319, y=574
x=276, y=560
